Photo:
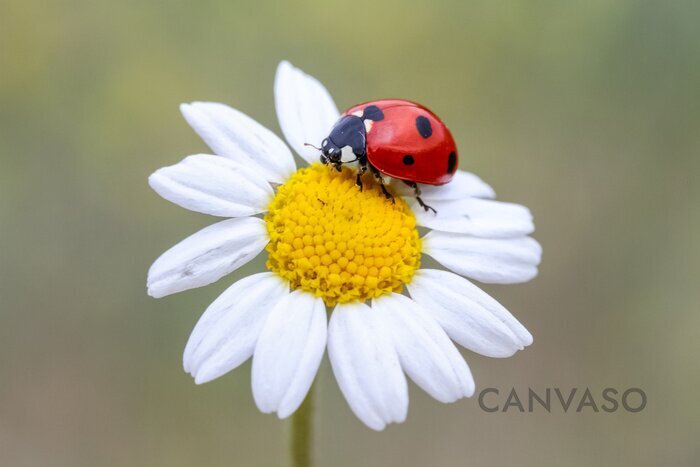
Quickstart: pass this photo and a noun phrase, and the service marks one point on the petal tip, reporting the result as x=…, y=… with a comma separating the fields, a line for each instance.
x=285, y=412
x=154, y=292
x=284, y=64
x=203, y=376
x=198, y=380
x=375, y=426
x=186, y=109
x=153, y=180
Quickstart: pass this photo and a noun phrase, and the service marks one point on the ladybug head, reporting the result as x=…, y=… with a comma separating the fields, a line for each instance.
x=330, y=152
x=348, y=132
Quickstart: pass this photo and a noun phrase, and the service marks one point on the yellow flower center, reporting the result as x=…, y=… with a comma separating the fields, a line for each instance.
x=341, y=244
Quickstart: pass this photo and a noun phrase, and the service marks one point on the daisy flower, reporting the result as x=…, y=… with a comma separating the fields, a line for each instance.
x=339, y=262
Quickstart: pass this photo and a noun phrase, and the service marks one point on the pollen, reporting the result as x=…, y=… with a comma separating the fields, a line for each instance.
x=340, y=243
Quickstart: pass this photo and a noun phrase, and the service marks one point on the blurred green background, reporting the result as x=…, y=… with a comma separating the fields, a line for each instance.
x=587, y=112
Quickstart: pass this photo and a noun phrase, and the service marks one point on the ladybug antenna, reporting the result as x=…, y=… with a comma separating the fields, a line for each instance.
x=311, y=145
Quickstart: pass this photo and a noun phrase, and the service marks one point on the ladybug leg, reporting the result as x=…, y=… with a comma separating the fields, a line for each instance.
x=380, y=180
x=425, y=206
x=362, y=162
x=358, y=179
x=416, y=193
x=386, y=193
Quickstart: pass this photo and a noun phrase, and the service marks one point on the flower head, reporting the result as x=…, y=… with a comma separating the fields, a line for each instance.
x=353, y=247
x=333, y=246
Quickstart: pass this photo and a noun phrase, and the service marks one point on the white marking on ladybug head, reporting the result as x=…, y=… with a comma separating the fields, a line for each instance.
x=368, y=125
x=346, y=154
x=358, y=113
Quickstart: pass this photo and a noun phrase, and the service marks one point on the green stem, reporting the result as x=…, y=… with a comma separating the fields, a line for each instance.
x=302, y=432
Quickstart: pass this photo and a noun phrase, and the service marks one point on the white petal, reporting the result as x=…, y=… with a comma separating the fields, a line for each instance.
x=427, y=355
x=366, y=366
x=468, y=314
x=489, y=260
x=213, y=185
x=288, y=353
x=225, y=335
x=477, y=217
x=463, y=185
x=207, y=256
x=233, y=134
x=305, y=110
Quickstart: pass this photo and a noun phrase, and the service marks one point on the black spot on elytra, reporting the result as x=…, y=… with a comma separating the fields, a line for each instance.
x=423, y=126
x=408, y=159
x=451, y=162
x=372, y=112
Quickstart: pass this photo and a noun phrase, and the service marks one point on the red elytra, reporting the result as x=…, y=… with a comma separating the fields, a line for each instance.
x=409, y=143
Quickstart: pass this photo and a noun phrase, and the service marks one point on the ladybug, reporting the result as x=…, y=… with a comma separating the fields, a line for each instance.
x=393, y=137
